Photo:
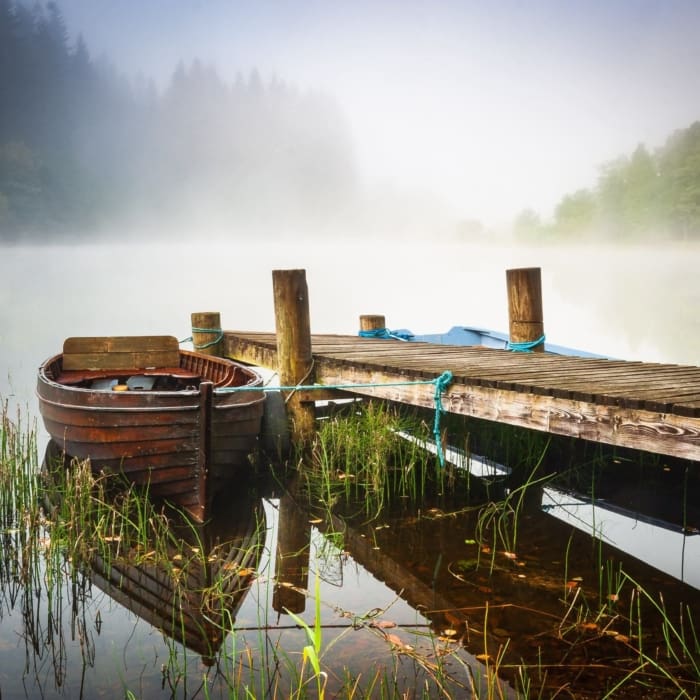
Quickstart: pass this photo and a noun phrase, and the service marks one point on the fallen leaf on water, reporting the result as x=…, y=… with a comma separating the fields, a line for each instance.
x=622, y=638
x=510, y=555
x=483, y=657
x=382, y=624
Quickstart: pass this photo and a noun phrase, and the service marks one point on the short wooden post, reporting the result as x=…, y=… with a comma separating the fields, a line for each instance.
x=294, y=357
x=208, y=342
x=525, y=317
x=372, y=322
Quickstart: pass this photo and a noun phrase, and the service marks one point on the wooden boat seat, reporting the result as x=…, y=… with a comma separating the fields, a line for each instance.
x=78, y=376
x=121, y=352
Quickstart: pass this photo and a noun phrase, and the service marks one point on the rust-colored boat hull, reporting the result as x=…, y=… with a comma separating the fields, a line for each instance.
x=179, y=443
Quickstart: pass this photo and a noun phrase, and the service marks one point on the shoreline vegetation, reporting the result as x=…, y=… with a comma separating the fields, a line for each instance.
x=84, y=151
x=610, y=637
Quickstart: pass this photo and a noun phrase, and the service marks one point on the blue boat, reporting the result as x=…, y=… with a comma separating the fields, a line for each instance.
x=471, y=335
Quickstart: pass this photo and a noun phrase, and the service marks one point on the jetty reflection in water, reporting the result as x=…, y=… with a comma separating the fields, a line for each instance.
x=670, y=548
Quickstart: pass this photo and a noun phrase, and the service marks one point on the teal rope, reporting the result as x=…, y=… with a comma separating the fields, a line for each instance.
x=385, y=333
x=219, y=337
x=441, y=383
x=525, y=347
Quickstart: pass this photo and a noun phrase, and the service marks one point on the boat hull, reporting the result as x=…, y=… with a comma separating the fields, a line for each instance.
x=178, y=443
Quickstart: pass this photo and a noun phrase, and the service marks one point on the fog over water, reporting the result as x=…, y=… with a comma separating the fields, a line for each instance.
x=453, y=111
x=630, y=303
x=481, y=108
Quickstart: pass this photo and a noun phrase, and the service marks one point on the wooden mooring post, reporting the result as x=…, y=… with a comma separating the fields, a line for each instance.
x=372, y=322
x=525, y=316
x=294, y=357
x=207, y=336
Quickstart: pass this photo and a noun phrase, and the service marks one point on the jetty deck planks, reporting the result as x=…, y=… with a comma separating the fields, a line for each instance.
x=646, y=406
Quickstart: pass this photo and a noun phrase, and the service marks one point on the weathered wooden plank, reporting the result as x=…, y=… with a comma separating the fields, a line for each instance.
x=648, y=406
x=637, y=429
x=120, y=352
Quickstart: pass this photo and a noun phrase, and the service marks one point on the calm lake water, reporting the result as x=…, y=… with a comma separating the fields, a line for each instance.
x=416, y=568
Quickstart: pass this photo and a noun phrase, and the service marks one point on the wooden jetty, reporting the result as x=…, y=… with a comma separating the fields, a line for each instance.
x=644, y=406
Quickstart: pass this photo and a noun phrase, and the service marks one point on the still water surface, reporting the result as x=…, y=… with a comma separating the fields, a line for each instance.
x=628, y=303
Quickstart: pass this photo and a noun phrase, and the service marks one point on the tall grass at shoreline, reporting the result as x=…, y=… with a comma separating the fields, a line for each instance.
x=55, y=531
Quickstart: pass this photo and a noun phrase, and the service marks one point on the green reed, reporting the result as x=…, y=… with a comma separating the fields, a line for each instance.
x=362, y=458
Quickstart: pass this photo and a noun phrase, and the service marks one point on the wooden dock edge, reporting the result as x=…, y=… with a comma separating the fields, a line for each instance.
x=661, y=433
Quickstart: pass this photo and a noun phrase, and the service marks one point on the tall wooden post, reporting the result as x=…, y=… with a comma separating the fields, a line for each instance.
x=525, y=317
x=372, y=322
x=294, y=357
x=209, y=342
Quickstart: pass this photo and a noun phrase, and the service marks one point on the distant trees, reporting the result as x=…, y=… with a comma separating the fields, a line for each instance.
x=643, y=195
x=81, y=146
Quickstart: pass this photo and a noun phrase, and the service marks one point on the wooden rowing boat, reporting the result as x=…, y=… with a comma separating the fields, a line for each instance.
x=165, y=417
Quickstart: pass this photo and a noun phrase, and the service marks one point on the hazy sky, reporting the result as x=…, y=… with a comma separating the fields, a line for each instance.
x=491, y=106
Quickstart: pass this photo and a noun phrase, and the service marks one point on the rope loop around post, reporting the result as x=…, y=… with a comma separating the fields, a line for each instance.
x=201, y=346
x=525, y=347
x=386, y=333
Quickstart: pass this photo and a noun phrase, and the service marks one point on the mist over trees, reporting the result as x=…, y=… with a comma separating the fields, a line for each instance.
x=642, y=196
x=84, y=149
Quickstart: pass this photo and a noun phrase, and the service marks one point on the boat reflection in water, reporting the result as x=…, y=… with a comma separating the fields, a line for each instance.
x=670, y=548
x=193, y=591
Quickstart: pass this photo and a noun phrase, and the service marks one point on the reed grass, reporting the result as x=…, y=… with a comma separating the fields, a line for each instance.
x=53, y=530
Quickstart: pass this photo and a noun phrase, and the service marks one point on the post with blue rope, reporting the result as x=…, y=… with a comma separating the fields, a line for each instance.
x=525, y=317
x=207, y=335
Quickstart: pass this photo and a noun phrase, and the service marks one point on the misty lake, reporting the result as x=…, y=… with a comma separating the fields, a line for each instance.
x=395, y=590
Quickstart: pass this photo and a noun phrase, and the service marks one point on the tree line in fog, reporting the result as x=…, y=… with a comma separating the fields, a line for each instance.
x=645, y=195
x=82, y=147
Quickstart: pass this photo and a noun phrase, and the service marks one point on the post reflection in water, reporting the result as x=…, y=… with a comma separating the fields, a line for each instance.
x=292, y=564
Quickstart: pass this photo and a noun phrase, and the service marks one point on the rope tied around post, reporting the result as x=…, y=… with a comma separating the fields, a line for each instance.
x=441, y=383
x=386, y=333
x=525, y=347
x=201, y=346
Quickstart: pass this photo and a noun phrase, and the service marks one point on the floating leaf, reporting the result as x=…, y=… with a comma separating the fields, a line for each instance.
x=382, y=624
x=510, y=555
x=483, y=657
